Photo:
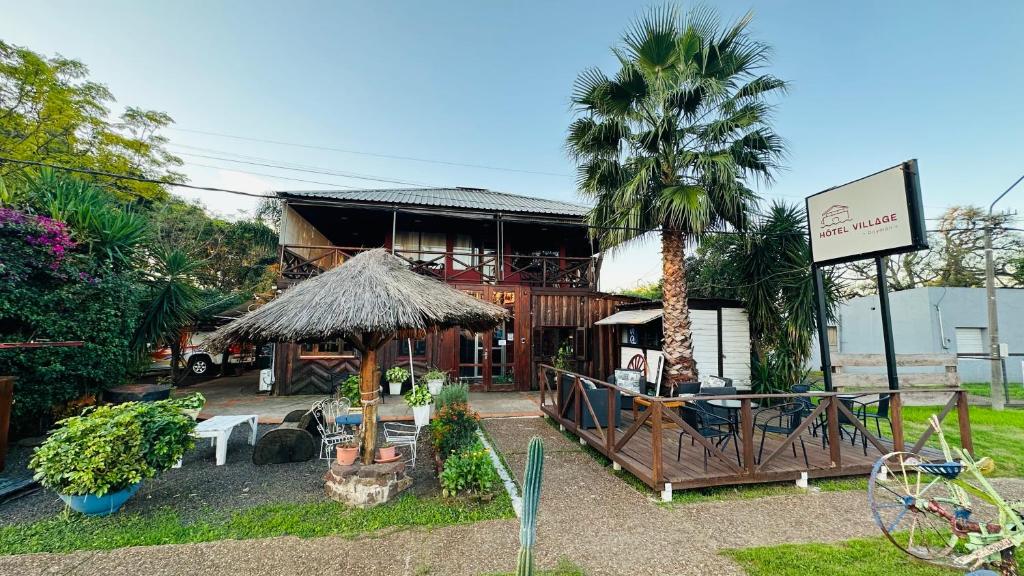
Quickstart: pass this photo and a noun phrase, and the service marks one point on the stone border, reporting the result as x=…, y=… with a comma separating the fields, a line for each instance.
x=510, y=486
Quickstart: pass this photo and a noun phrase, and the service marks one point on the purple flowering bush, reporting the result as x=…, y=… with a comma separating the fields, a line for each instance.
x=50, y=289
x=33, y=247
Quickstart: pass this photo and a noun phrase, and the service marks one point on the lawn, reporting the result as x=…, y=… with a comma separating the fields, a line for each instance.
x=985, y=390
x=995, y=434
x=862, y=557
x=69, y=531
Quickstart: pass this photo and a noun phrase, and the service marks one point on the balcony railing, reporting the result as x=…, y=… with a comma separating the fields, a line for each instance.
x=299, y=262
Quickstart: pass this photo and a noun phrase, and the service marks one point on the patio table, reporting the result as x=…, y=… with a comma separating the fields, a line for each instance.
x=218, y=430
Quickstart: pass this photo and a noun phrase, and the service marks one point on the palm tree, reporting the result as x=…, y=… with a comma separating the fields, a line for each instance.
x=672, y=142
x=174, y=300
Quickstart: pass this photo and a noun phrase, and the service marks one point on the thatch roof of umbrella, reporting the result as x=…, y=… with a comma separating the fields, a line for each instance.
x=374, y=292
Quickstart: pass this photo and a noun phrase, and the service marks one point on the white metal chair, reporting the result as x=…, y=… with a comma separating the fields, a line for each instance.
x=405, y=435
x=325, y=413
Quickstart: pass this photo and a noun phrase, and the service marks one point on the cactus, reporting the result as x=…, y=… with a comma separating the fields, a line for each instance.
x=531, y=500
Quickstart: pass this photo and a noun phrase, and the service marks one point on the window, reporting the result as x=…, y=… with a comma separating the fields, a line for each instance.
x=425, y=246
x=326, y=349
x=970, y=341
x=419, y=347
x=833, y=339
x=470, y=253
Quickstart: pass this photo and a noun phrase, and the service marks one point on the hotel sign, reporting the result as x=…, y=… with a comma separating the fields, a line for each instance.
x=874, y=216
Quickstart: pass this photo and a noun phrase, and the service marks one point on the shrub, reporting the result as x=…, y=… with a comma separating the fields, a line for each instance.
x=109, y=448
x=454, y=429
x=469, y=471
x=433, y=374
x=349, y=388
x=455, y=393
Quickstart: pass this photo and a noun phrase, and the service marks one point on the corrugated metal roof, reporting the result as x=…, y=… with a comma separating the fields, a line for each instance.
x=632, y=317
x=467, y=198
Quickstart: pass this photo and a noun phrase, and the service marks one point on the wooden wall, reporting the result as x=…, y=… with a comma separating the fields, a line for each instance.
x=297, y=230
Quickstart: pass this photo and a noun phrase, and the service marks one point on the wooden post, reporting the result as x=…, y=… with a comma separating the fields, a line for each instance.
x=896, y=417
x=543, y=383
x=964, y=419
x=832, y=417
x=6, y=399
x=577, y=406
x=609, y=429
x=747, y=435
x=656, y=472
x=368, y=393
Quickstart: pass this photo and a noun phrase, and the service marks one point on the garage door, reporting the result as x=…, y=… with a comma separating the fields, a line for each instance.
x=704, y=327
x=736, y=345
x=970, y=341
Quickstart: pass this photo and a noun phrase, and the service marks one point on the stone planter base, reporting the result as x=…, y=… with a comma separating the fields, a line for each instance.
x=364, y=486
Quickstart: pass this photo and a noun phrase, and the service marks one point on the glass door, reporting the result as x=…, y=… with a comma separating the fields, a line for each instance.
x=503, y=356
x=474, y=358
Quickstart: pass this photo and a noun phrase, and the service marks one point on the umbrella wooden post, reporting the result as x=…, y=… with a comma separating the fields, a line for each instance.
x=368, y=393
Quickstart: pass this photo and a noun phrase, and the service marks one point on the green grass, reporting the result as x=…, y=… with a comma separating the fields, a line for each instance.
x=995, y=434
x=985, y=390
x=862, y=557
x=564, y=568
x=71, y=531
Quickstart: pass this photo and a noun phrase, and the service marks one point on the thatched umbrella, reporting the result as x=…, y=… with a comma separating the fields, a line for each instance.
x=368, y=300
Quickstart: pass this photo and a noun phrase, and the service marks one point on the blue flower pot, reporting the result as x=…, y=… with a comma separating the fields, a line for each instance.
x=100, y=505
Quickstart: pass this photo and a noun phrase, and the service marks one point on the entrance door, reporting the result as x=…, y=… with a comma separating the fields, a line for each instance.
x=487, y=360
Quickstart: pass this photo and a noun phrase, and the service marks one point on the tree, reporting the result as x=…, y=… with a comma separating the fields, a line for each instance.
x=51, y=112
x=172, y=303
x=955, y=257
x=672, y=142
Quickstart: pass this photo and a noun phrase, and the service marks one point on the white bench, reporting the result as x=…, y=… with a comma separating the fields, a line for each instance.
x=218, y=430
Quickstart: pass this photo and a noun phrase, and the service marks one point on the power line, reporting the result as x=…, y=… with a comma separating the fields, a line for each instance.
x=371, y=154
x=129, y=177
x=309, y=170
x=232, y=169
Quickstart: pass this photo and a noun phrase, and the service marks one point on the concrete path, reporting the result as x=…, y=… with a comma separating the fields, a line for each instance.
x=587, y=516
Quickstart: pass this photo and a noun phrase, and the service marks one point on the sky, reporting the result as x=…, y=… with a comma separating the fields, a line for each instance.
x=472, y=93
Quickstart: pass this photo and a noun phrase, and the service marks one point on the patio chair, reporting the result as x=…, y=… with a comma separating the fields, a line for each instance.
x=711, y=426
x=406, y=435
x=808, y=406
x=782, y=419
x=326, y=413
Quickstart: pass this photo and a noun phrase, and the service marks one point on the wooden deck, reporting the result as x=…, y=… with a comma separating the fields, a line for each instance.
x=649, y=444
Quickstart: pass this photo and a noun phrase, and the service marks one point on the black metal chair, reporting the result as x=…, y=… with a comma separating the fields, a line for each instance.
x=716, y=429
x=808, y=406
x=782, y=419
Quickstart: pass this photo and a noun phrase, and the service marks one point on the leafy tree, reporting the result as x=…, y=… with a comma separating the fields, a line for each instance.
x=652, y=291
x=51, y=112
x=955, y=256
x=671, y=143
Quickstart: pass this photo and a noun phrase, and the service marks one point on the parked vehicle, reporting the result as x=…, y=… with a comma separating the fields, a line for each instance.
x=202, y=364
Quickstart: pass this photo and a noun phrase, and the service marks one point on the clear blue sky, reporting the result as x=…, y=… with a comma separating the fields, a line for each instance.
x=873, y=83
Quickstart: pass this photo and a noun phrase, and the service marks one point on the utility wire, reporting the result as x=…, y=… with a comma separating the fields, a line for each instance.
x=239, y=170
x=371, y=154
x=309, y=170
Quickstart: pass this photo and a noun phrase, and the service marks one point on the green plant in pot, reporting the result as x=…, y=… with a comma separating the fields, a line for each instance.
x=348, y=451
x=190, y=405
x=98, y=460
x=421, y=401
x=396, y=376
x=435, y=380
x=386, y=452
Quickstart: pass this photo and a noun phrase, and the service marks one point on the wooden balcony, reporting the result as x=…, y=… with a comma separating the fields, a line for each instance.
x=656, y=444
x=299, y=262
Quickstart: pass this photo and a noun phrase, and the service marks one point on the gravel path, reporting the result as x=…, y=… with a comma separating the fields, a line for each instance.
x=200, y=485
x=587, y=515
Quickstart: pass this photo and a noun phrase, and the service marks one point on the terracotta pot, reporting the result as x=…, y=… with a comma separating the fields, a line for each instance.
x=386, y=453
x=347, y=456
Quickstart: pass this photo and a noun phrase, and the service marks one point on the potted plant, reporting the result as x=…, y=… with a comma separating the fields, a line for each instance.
x=96, y=461
x=396, y=376
x=435, y=380
x=386, y=452
x=348, y=451
x=190, y=405
x=420, y=400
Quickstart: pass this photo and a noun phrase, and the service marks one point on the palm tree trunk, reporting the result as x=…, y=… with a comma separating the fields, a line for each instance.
x=678, y=340
x=175, y=345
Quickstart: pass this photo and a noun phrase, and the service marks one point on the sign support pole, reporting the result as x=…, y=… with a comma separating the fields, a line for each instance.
x=883, y=301
x=826, y=354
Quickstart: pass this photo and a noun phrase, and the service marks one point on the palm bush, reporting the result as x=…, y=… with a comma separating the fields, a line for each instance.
x=672, y=142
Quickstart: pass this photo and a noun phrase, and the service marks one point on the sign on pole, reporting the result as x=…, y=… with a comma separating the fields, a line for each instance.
x=874, y=216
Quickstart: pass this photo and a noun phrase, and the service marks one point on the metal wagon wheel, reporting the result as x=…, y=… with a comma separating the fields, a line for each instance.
x=912, y=507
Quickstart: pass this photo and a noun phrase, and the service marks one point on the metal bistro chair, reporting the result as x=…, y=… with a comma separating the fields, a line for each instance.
x=326, y=413
x=711, y=424
x=808, y=407
x=782, y=419
x=406, y=435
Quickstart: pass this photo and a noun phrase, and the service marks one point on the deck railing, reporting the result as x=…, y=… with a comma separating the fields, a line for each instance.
x=651, y=443
x=299, y=261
